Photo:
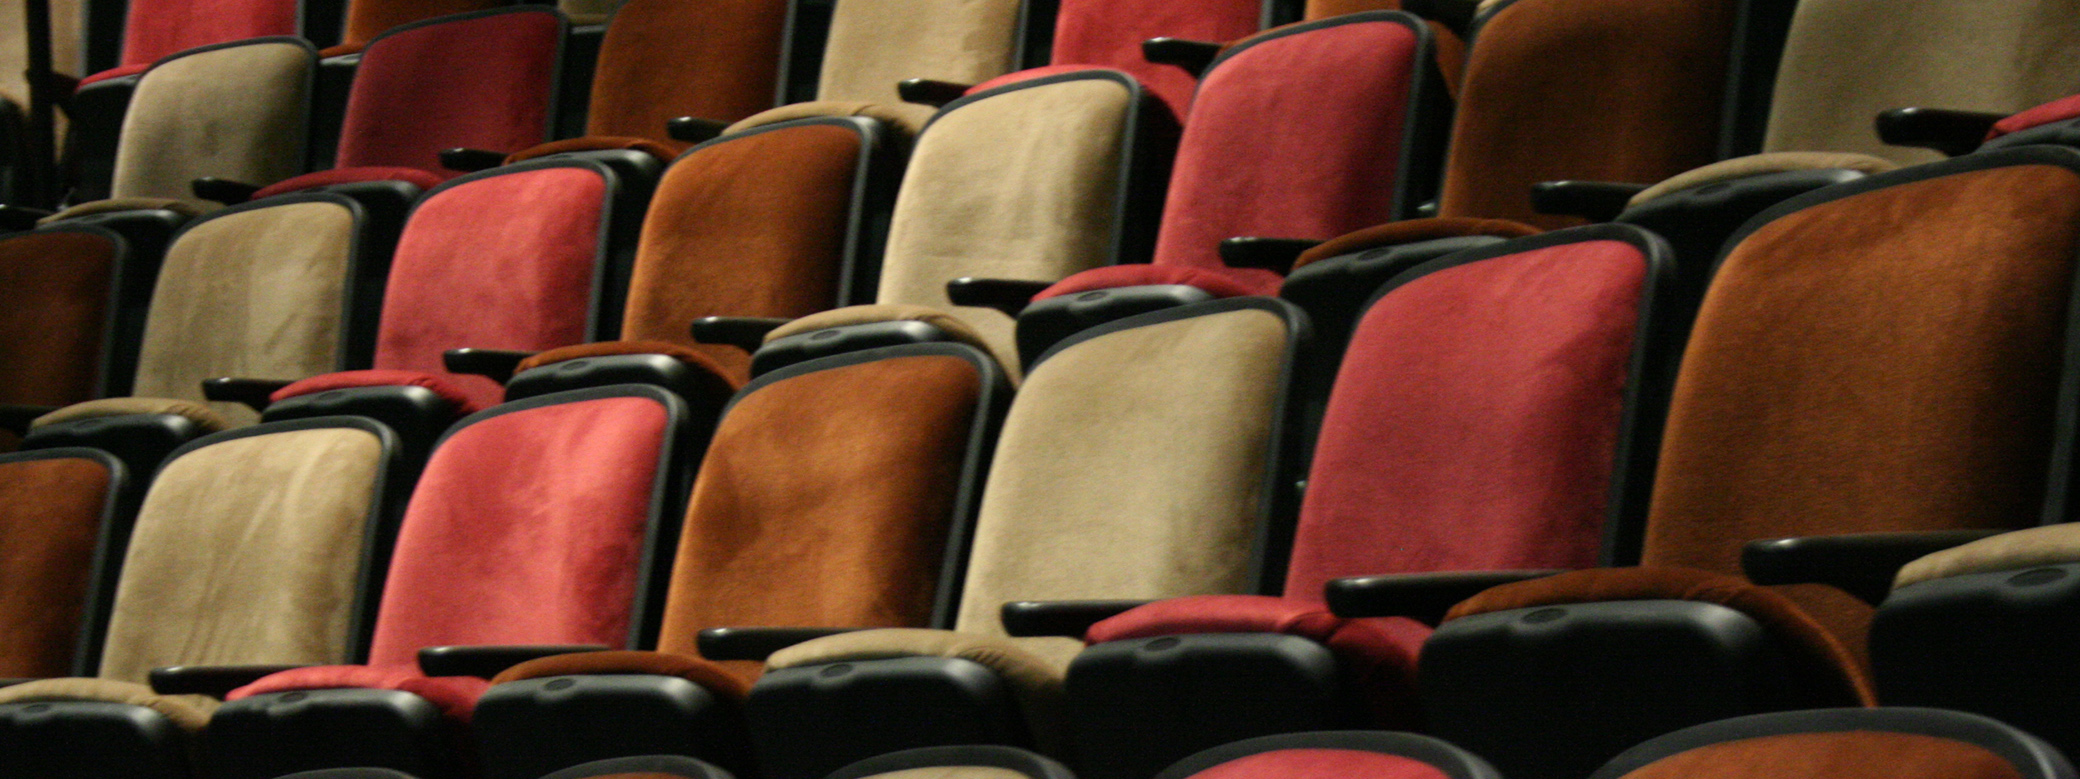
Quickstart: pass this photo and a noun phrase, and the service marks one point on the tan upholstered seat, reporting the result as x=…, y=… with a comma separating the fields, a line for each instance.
x=875, y=43
x=234, y=111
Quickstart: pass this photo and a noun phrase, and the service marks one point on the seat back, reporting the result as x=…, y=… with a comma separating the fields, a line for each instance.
x=57, y=290
x=1843, y=742
x=158, y=28
x=663, y=59
x=875, y=43
x=1343, y=753
x=1108, y=33
x=235, y=111
x=61, y=514
x=480, y=80
x=368, y=19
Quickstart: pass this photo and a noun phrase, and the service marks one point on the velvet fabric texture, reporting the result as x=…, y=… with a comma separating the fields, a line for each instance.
x=1108, y=33
x=367, y=19
x=455, y=696
x=235, y=113
x=1339, y=95
x=1219, y=282
x=54, y=307
x=701, y=672
x=1412, y=231
x=665, y=58
x=825, y=500
x=1847, y=60
x=954, y=328
x=610, y=348
x=477, y=83
x=246, y=552
x=875, y=43
x=1035, y=680
x=1475, y=420
x=1763, y=164
x=2030, y=548
x=1136, y=461
x=1884, y=361
x=438, y=385
x=1344, y=763
x=1860, y=754
x=752, y=226
x=1024, y=183
x=50, y=517
x=1822, y=628
x=1605, y=90
x=325, y=178
x=525, y=528
x=190, y=713
x=154, y=29
x=664, y=150
x=256, y=294
x=2055, y=111
x=909, y=117
x=504, y=262
x=206, y=420
x=185, y=206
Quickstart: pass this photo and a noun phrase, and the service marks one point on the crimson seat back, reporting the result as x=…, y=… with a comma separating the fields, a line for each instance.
x=1109, y=34
x=158, y=28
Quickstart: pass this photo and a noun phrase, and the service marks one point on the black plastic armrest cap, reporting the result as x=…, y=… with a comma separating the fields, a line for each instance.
x=757, y=643
x=17, y=418
x=693, y=129
x=1950, y=132
x=495, y=364
x=1596, y=201
x=1456, y=14
x=471, y=160
x=223, y=191
x=252, y=392
x=1862, y=564
x=1194, y=56
x=1272, y=254
x=1010, y=296
x=485, y=662
x=931, y=92
x=744, y=332
x=1071, y=618
x=1424, y=597
x=215, y=681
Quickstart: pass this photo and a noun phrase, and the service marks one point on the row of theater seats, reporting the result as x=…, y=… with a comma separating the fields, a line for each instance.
x=1878, y=350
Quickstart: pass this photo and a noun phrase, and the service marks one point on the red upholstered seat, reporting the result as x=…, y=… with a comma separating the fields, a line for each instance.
x=1347, y=763
x=1343, y=754
x=2055, y=111
x=156, y=28
x=1108, y=33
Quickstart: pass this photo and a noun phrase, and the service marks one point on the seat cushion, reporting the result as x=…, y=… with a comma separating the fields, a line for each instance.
x=1219, y=282
x=954, y=327
x=188, y=712
x=2028, y=548
x=185, y=206
x=1849, y=755
x=461, y=401
x=2053, y=112
x=1763, y=164
x=424, y=180
x=907, y=117
x=1350, y=763
x=456, y=696
x=664, y=150
x=1035, y=680
x=708, y=675
x=1412, y=231
x=206, y=421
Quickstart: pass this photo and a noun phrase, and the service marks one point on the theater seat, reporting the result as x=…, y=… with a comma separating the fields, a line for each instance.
x=1356, y=754
x=1895, y=742
x=63, y=509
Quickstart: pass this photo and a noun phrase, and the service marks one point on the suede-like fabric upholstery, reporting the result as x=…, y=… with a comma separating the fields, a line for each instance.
x=154, y=29
x=875, y=43
x=825, y=500
x=908, y=117
x=54, y=306
x=667, y=58
x=455, y=696
x=1108, y=33
x=954, y=327
x=505, y=262
x=235, y=113
x=1022, y=184
x=1475, y=420
x=1412, y=231
x=246, y=552
x=1339, y=96
x=325, y=178
x=206, y=420
x=1821, y=628
x=478, y=83
x=526, y=528
x=185, y=206
x=2055, y=111
x=2030, y=548
x=609, y=348
x=664, y=150
x=1219, y=282
x=188, y=712
x=438, y=385
x=1135, y=461
x=953, y=772
x=367, y=19
x=706, y=674
x=253, y=294
x=1762, y=164
x=1035, y=680
x=1604, y=90
x=1885, y=361
x=1847, y=60
x=1856, y=754
x=50, y=516
x=1346, y=763
x=751, y=227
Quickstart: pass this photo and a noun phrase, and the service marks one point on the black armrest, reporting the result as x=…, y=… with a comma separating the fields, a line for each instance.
x=1424, y=597
x=13, y=217
x=693, y=129
x=215, y=681
x=1007, y=295
x=931, y=92
x=1272, y=254
x=252, y=392
x=744, y=332
x=1456, y=14
x=485, y=662
x=1863, y=564
x=1194, y=56
x=757, y=643
x=1596, y=201
x=1069, y=618
x=16, y=418
x=495, y=364
x=1950, y=132
x=223, y=191
x=471, y=160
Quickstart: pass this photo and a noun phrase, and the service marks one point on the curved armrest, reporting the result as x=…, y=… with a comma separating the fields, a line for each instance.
x=744, y=332
x=1194, y=56
x=1272, y=254
x=931, y=92
x=495, y=364
x=485, y=662
x=16, y=418
x=471, y=160
x=1070, y=618
x=1863, y=564
x=1007, y=295
x=1424, y=597
x=252, y=392
x=1953, y=133
x=757, y=643
x=1596, y=201
x=215, y=681
x=13, y=217
x=693, y=129
x=223, y=191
